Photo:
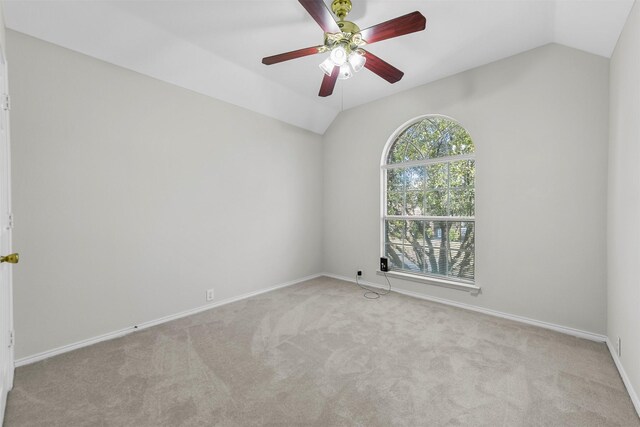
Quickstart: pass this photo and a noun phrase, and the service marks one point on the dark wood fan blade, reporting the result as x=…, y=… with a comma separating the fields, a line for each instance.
x=291, y=55
x=396, y=27
x=319, y=12
x=329, y=82
x=382, y=68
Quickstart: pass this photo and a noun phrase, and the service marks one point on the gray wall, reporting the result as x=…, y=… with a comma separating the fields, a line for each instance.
x=132, y=197
x=540, y=124
x=623, y=288
x=3, y=36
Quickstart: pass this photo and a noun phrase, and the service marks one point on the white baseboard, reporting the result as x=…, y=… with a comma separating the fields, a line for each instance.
x=625, y=378
x=546, y=325
x=115, y=334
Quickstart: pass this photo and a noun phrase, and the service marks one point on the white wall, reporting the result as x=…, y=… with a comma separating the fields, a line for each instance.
x=623, y=294
x=133, y=196
x=3, y=35
x=540, y=124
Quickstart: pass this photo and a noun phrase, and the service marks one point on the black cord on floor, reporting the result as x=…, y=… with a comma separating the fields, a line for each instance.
x=371, y=293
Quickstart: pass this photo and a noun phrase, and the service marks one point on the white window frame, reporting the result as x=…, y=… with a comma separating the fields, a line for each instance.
x=472, y=287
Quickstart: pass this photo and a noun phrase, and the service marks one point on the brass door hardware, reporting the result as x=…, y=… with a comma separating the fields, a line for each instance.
x=11, y=259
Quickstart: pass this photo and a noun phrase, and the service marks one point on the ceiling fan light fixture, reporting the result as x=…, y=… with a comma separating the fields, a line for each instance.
x=327, y=66
x=343, y=40
x=357, y=60
x=346, y=72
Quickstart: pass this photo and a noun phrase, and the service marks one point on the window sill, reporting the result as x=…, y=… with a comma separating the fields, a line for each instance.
x=474, y=289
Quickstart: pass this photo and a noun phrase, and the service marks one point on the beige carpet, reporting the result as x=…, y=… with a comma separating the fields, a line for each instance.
x=320, y=354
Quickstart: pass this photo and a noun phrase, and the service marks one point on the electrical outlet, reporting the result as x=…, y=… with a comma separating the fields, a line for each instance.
x=619, y=347
x=209, y=294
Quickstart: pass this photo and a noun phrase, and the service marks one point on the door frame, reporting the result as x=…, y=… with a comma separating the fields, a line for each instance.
x=5, y=169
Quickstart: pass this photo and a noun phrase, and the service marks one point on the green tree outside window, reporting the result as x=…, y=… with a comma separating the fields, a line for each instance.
x=429, y=199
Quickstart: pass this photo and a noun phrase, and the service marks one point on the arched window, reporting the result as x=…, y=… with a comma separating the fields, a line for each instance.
x=428, y=209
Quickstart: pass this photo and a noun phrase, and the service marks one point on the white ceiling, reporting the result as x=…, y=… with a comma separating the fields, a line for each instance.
x=215, y=47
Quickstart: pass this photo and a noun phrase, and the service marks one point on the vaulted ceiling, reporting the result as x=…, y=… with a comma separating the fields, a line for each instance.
x=215, y=47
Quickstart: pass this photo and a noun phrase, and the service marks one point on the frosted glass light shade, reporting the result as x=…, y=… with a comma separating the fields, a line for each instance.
x=345, y=72
x=327, y=66
x=357, y=61
x=338, y=55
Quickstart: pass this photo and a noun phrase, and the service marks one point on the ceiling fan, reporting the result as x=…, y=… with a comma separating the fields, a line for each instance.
x=345, y=41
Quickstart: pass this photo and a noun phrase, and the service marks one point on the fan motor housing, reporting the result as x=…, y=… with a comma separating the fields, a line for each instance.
x=348, y=27
x=351, y=41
